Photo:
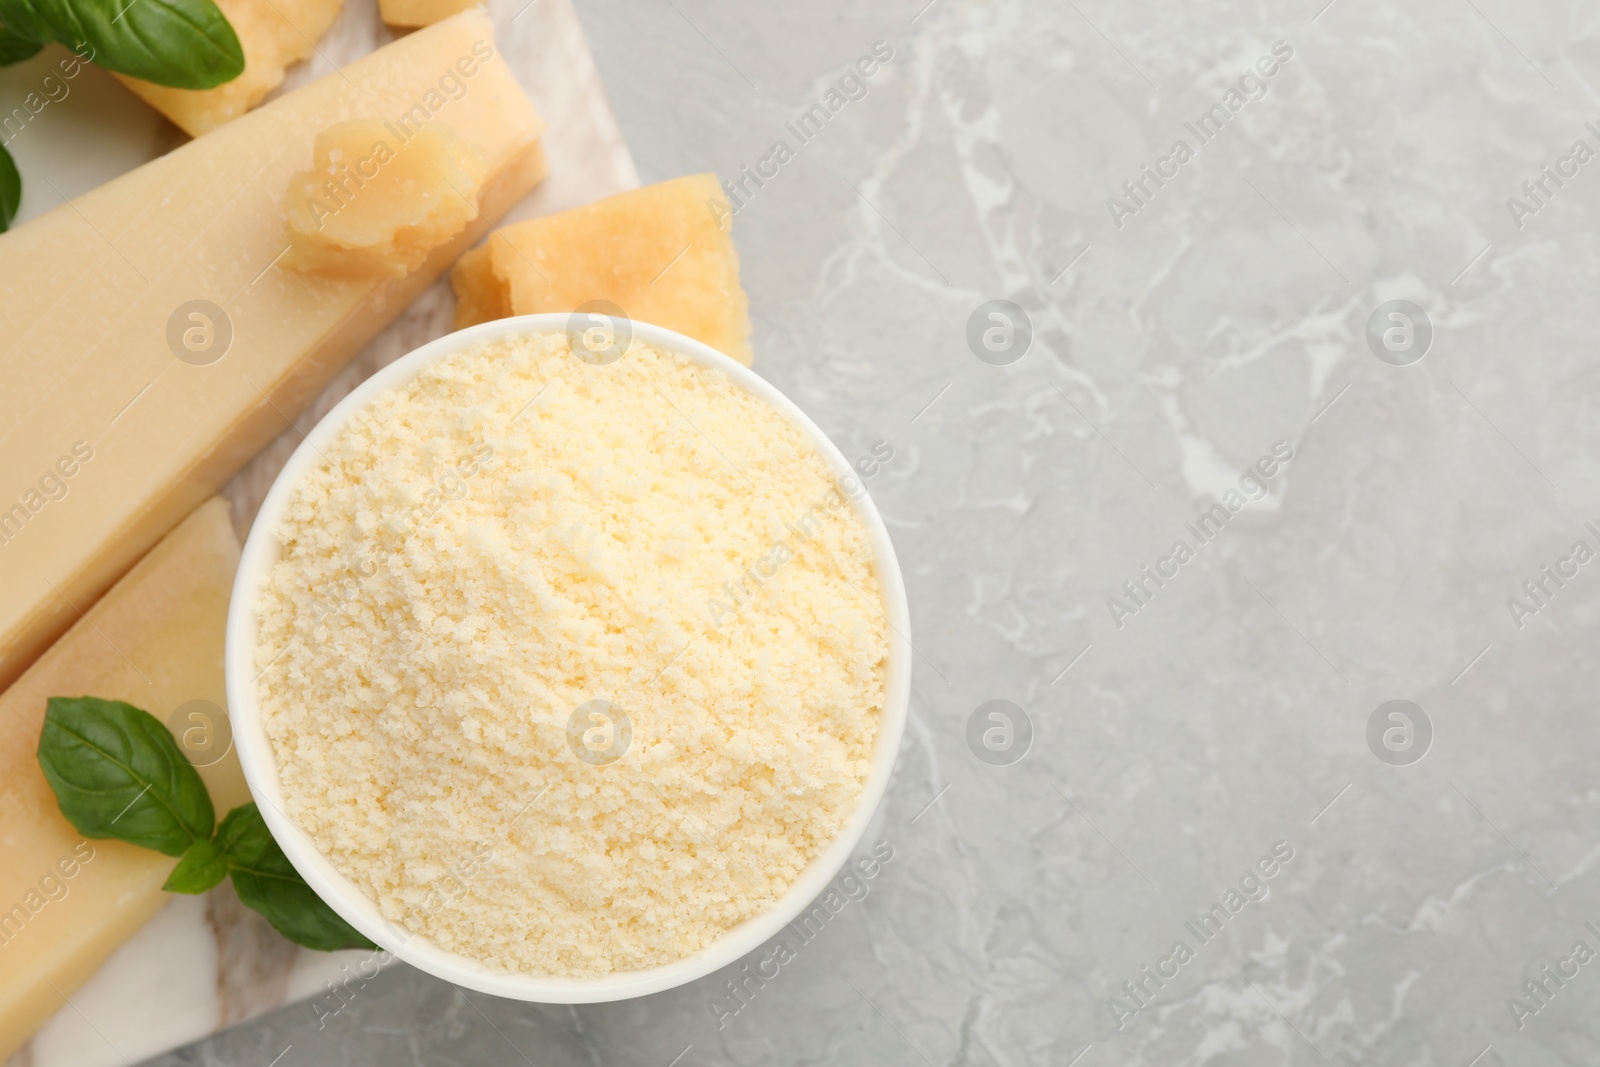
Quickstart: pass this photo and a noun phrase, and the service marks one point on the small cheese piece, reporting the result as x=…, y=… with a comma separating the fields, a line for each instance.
x=155, y=640
x=378, y=201
x=663, y=254
x=154, y=343
x=273, y=33
x=420, y=12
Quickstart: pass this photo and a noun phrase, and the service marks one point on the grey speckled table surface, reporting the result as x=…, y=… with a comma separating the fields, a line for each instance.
x=1213, y=761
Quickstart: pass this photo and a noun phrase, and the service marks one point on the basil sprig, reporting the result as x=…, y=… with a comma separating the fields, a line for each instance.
x=118, y=773
x=187, y=44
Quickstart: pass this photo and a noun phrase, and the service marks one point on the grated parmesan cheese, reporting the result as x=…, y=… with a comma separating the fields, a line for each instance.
x=517, y=533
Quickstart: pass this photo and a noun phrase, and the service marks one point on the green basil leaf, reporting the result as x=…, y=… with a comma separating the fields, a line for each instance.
x=187, y=44
x=201, y=867
x=22, y=21
x=10, y=190
x=14, y=48
x=118, y=773
x=267, y=882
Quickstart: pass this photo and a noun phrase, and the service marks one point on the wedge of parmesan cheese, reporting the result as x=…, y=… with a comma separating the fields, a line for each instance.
x=662, y=254
x=275, y=34
x=155, y=640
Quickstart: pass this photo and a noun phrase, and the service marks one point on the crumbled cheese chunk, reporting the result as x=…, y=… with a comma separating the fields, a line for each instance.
x=379, y=199
x=518, y=533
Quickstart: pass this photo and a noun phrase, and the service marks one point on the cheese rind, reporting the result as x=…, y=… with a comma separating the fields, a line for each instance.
x=98, y=302
x=664, y=254
x=155, y=640
x=274, y=34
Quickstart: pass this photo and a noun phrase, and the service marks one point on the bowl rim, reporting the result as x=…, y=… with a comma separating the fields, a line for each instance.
x=257, y=760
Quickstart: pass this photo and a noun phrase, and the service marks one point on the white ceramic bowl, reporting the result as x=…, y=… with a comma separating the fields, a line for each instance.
x=260, y=768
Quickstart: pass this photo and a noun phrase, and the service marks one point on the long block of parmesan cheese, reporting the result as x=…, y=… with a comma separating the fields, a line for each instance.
x=155, y=640
x=153, y=342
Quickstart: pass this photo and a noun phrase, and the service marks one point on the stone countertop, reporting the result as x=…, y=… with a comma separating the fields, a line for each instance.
x=1367, y=495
